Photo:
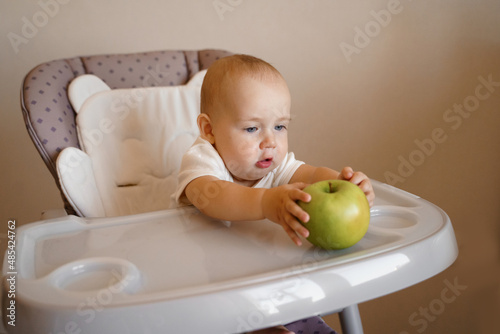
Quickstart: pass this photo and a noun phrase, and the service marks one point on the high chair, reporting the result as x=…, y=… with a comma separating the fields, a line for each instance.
x=125, y=260
x=49, y=116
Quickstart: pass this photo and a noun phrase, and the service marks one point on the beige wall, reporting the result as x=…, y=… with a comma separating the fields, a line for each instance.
x=360, y=101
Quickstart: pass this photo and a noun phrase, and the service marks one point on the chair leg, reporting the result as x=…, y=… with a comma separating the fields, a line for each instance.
x=350, y=320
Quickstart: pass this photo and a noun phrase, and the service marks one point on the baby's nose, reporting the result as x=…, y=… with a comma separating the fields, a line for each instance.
x=268, y=142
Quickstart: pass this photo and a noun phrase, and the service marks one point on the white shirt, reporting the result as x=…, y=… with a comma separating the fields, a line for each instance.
x=203, y=159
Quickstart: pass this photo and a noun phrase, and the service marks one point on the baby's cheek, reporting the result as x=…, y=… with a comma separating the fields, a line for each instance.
x=245, y=149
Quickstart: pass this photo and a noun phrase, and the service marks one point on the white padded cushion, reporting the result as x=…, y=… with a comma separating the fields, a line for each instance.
x=77, y=180
x=83, y=87
x=134, y=140
x=197, y=79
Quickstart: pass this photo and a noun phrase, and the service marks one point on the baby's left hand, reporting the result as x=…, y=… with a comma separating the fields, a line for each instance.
x=359, y=179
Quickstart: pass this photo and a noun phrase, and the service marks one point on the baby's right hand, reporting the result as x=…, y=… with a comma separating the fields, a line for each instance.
x=279, y=205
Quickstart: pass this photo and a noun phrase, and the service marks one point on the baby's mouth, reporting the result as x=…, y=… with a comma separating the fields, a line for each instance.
x=266, y=163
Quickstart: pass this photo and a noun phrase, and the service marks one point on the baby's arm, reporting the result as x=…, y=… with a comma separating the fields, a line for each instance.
x=310, y=174
x=230, y=201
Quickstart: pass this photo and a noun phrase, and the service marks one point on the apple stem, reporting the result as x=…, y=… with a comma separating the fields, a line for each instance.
x=330, y=184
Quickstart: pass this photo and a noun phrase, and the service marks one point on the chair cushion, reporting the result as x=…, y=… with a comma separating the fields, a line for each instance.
x=83, y=87
x=134, y=139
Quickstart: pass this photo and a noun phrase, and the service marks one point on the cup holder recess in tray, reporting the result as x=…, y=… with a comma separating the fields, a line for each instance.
x=393, y=217
x=97, y=273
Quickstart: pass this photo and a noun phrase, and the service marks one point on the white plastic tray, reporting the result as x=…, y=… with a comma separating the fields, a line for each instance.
x=178, y=271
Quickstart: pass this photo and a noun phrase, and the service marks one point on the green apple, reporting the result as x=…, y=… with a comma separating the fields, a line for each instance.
x=339, y=214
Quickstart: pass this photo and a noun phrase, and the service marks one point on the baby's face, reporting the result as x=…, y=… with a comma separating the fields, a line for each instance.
x=251, y=127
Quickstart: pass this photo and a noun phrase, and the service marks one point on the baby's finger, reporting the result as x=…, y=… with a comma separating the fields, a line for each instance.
x=301, y=185
x=365, y=185
x=368, y=190
x=292, y=234
x=299, y=195
x=358, y=177
x=297, y=212
x=296, y=226
x=346, y=173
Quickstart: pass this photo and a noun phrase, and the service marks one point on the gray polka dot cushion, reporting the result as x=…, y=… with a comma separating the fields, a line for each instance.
x=48, y=114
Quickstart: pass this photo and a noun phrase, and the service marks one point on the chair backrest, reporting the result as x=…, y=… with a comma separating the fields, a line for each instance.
x=132, y=141
x=50, y=117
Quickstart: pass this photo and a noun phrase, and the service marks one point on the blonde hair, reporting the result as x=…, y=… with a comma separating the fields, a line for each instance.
x=222, y=73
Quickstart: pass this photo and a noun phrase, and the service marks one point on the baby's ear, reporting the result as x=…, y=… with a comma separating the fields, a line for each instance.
x=205, y=126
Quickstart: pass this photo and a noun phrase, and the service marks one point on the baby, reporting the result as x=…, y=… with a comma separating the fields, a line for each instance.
x=240, y=168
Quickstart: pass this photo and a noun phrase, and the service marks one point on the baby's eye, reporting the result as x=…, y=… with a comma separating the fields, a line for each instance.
x=251, y=129
x=279, y=127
